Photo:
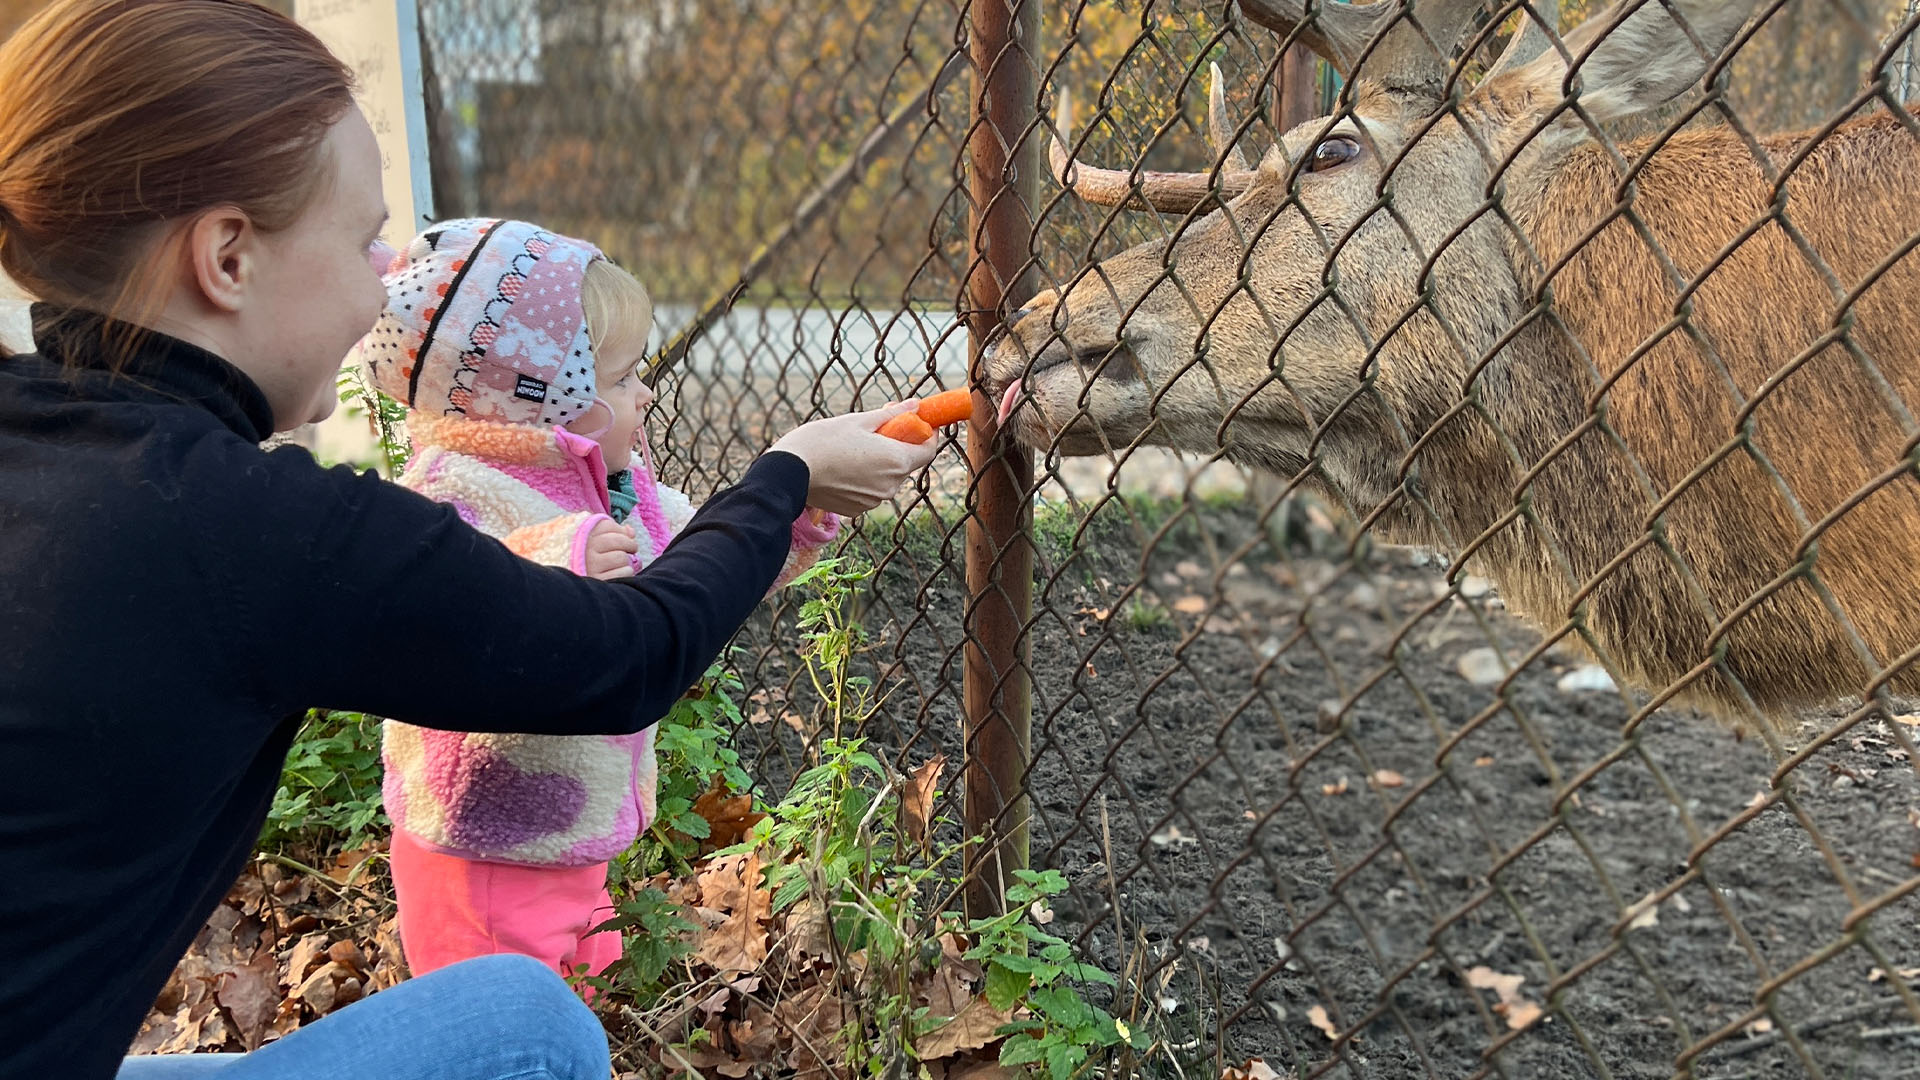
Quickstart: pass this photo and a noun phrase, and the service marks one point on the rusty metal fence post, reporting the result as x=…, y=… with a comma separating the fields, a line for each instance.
x=998, y=684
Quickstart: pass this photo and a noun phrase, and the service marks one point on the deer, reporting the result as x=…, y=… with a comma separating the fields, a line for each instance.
x=1660, y=392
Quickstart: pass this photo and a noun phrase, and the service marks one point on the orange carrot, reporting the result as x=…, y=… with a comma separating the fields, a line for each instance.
x=908, y=428
x=947, y=407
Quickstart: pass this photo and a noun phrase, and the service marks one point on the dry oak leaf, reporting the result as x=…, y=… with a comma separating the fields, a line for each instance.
x=755, y=1040
x=348, y=955
x=740, y=943
x=729, y=817
x=318, y=989
x=251, y=996
x=813, y=1018
x=916, y=799
x=1190, y=604
x=1256, y=1069
x=976, y=1027
x=307, y=950
x=1317, y=1016
x=951, y=985
x=807, y=932
x=1387, y=778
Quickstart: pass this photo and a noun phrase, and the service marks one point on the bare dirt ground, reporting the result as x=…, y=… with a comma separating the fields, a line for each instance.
x=1317, y=816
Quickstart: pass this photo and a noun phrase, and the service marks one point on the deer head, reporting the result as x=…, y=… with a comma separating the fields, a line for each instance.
x=1347, y=285
x=1430, y=305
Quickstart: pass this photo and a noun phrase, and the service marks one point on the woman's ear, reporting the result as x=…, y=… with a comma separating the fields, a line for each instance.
x=220, y=255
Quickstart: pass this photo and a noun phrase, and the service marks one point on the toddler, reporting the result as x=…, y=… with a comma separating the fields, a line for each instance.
x=518, y=355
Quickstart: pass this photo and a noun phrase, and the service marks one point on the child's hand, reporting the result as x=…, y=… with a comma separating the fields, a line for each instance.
x=610, y=548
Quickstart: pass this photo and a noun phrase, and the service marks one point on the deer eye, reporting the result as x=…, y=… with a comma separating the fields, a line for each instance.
x=1333, y=151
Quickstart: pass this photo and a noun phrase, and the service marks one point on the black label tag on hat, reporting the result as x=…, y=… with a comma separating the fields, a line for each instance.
x=528, y=388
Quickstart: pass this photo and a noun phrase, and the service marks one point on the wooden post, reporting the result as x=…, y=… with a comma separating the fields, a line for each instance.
x=998, y=691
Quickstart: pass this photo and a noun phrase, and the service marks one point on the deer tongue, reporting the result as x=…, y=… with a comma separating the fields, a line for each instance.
x=1007, y=401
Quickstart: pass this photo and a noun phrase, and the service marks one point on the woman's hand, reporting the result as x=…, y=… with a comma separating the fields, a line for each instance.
x=610, y=548
x=855, y=468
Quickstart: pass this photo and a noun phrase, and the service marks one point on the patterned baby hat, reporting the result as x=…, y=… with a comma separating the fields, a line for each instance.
x=483, y=321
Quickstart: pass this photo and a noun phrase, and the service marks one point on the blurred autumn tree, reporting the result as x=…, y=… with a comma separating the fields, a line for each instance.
x=680, y=135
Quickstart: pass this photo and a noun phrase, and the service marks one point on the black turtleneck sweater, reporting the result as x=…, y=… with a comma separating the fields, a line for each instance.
x=173, y=598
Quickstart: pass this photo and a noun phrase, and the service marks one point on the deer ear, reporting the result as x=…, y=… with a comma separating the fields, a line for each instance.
x=1634, y=56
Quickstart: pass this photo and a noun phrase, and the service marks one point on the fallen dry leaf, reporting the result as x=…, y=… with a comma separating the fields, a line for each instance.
x=1190, y=604
x=808, y=933
x=1879, y=974
x=251, y=996
x=1317, y=1016
x=813, y=1017
x=756, y=1039
x=1645, y=913
x=348, y=955
x=916, y=798
x=1908, y=719
x=715, y=1003
x=318, y=988
x=730, y=817
x=1256, y=1069
x=1483, y=761
x=977, y=1026
x=1518, y=1010
x=1759, y=1027
x=1387, y=778
x=1506, y=987
x=307, y=950
x=949, y=991
x=1337, y=788
x=1172, y=836
x=739, y=944
x=1522, y=1014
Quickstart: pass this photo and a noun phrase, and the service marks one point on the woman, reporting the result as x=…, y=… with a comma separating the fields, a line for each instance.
x=188, y=187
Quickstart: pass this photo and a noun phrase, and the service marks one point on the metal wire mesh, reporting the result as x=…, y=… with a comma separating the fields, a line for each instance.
x=1323, y=797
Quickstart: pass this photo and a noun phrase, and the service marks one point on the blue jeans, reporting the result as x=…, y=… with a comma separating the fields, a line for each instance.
x=503, y=1017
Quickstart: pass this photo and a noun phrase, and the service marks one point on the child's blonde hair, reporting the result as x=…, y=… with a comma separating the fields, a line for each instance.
x=618, y=310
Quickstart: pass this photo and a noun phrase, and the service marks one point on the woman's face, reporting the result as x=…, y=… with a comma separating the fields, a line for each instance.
x=315, y=292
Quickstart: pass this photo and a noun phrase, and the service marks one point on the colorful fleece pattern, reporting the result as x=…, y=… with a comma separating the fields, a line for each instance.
x=485, y=340
x=537, y=800
x=483, y=321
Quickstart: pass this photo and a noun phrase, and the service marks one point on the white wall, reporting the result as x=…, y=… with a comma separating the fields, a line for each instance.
x=15, y=333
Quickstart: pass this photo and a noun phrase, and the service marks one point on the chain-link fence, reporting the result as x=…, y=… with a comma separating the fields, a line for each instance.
x=1629, y=361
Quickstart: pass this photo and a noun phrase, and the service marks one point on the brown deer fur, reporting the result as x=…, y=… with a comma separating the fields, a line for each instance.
x=1588, y=545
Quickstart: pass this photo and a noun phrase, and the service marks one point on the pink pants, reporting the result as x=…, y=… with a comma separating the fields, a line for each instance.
x=453, y=909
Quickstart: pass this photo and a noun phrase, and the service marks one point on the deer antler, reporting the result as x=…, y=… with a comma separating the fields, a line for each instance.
x=1219, y=129
x=1411, y=41
x=1169, y=193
